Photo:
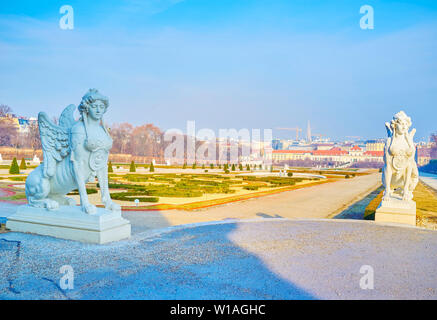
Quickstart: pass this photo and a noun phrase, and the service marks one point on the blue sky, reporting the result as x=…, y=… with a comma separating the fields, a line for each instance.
x=227, y=63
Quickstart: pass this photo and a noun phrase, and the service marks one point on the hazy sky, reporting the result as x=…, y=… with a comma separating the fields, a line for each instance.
x=227, y=63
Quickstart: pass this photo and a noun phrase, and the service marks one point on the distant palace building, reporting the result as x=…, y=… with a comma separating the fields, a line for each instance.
x=334, y=154
x=373, y=152
x=423, y=155
x=375, y=145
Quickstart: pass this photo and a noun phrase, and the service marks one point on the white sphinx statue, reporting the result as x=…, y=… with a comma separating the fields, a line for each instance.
x=75, y=152
x=400, y=174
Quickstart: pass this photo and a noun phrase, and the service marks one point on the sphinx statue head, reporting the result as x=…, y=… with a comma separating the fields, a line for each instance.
x=93, y=104
x=401, y=123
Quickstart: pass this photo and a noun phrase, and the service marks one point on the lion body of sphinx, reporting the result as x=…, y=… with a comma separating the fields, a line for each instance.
x=51, y=191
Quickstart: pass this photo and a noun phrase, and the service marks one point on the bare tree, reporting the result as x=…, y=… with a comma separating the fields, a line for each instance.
x=8, y=129
x=5, y=110
x=32, y=136
x=121, y=135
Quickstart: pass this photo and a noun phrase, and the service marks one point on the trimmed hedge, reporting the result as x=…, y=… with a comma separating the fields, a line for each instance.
x=14, y=169
x=251, y=187
x=88, y=191
x=129, y=196
x=23, y=164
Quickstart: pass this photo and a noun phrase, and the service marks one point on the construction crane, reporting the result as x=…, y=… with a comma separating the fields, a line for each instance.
x=297, y=129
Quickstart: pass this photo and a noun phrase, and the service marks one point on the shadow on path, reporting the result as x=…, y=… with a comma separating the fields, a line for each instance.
x=191, y=263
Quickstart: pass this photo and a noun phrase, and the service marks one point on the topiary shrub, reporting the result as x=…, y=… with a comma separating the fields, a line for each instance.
x=233, y=167
x=194, y=166
x=184, y=166
x=152, y=167
x=110, y=169
x=14, y=168
x=132, y=167
x=23, y=164
x=290, y=174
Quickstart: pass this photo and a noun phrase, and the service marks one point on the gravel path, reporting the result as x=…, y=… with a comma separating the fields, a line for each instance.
x=264, y=259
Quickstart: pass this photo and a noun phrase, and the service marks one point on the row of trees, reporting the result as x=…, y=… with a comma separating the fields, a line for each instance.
x=144, y=140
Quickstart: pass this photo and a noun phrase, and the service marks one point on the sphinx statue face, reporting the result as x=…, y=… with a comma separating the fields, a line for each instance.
x=402, y=126
x=96, y=110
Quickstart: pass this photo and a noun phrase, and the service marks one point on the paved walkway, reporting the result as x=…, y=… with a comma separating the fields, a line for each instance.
x=320, y=201
x=264, y=259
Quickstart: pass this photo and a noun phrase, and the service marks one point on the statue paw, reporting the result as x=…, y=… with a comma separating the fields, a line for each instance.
x=386, y=196
x=51, y=204
x=112, y=206
x=89, y=208
x=71, y=202
x=407, y=196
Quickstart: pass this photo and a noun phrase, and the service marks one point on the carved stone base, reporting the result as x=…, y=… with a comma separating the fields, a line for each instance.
x=70, y=222
x=395, y=210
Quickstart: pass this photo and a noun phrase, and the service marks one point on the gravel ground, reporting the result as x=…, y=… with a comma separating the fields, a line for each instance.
x=258, y=259
x=430, y=181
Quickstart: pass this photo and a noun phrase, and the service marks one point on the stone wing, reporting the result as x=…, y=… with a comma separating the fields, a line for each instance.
x=55, y=143
x=67, y=119
x=389, y=130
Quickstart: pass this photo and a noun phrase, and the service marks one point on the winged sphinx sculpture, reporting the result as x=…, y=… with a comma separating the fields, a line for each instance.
x=400, y=174
x=75, y=152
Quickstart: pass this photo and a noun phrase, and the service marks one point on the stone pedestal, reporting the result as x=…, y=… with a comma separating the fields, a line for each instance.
x=396, y=210
x=70, y=222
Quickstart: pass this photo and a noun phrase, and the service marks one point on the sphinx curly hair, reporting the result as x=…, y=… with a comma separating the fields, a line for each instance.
x=399, y=117
x=90, y=97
